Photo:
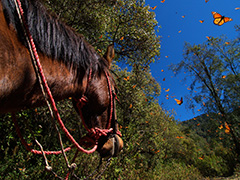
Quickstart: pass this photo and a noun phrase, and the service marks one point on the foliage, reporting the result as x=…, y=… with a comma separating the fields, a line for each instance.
x=214, y=69
x=216, y=158
x=128, y=24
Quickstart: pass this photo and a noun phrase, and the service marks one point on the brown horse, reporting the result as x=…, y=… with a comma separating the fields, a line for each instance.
x=67, y=60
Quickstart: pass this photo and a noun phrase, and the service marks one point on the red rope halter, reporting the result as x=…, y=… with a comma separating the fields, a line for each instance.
x=93, y=134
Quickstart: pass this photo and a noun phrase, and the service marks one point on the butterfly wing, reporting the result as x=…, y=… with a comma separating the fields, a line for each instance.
x=217, y=18
x=226, y=19
x=218, y=21
x=216, y=15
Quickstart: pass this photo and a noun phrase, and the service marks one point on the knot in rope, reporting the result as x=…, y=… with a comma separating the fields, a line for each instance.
x=96, y=133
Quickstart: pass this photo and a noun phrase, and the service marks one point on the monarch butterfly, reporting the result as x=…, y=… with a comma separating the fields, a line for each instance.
x=179, y=102
x=153, y=8
x=219, y=19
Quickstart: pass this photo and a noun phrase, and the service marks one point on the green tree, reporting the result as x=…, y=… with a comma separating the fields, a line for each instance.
x=128, y=24
x=215, y=72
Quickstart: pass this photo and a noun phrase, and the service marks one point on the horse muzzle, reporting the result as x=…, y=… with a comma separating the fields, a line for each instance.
x=112, y=146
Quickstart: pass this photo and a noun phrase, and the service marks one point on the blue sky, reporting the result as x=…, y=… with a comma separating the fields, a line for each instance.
x=179, y=22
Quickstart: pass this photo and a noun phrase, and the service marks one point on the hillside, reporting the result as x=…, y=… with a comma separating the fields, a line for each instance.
x=204, y=125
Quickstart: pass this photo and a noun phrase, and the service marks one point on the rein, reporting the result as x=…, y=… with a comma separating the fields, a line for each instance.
x=93, y=133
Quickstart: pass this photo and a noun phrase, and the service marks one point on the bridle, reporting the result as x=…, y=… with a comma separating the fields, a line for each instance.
x=93, y=133
x=111, y=129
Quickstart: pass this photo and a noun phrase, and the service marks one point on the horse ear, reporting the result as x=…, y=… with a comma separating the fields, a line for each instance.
x=110, y=53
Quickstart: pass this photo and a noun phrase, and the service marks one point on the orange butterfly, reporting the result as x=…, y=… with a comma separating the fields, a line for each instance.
x=227, y=130
x=179, y=102
x=219, y=19
x=167, y=90
x=179, y=137
x=153, y=8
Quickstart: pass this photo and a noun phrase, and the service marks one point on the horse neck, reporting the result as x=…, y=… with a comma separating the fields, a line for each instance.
x=23, y=91
x=64, y=81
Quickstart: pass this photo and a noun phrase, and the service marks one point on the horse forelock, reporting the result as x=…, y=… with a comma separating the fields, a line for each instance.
x=52, y=37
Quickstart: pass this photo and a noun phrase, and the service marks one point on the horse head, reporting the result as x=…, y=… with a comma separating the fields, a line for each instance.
x=97, y=108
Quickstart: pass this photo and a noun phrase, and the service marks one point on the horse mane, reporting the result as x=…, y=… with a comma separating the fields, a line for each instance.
x=52, y=37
